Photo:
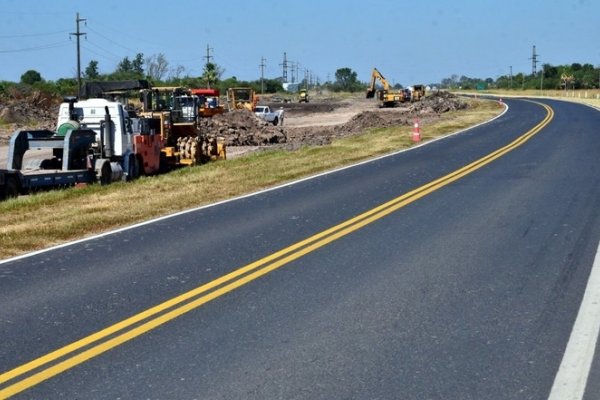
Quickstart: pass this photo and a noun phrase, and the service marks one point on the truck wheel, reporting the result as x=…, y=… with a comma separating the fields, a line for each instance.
x=275, y=121
x=106, y=174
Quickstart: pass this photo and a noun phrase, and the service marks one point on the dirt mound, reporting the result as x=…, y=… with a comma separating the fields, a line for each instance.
x=373, y=119
x=243, y=128
x=34, y=111
x=438, y=103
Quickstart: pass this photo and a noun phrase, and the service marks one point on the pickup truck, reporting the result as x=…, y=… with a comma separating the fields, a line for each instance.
x=264, y=112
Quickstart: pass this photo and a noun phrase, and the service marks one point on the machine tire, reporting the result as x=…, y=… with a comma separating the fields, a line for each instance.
x=276, y=121
x=106, y=175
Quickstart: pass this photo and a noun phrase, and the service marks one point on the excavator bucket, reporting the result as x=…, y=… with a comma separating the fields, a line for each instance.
x=370, y=93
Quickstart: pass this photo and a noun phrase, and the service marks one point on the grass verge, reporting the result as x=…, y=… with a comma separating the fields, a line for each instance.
x=45, y=219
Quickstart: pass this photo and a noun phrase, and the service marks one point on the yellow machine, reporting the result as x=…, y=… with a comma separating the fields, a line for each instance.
x=386, y=97
x=418, y=93
x=240, y=98
x=173, y=112
x=303, y=96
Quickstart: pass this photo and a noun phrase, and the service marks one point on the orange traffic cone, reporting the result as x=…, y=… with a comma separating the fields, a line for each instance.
x=416, y=134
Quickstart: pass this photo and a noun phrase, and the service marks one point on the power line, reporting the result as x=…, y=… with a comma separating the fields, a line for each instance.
x=110, y=40
x=24, y=35
x=42, y=47
x=111, y=57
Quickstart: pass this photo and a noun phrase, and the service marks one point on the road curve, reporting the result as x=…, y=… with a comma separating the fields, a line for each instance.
x=469, y=291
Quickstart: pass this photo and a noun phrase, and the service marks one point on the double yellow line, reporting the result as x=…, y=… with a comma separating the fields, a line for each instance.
x=67, y=357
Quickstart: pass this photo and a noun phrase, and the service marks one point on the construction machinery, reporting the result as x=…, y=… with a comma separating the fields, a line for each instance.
x=386, y=97
x=241, y=98
x=208, y=102
x=174, y=110
x=303, y=96
x=100, y=140
x=418, y=92
x=96, y=140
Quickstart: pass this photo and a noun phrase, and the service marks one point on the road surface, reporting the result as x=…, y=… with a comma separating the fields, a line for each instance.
x=451, y=271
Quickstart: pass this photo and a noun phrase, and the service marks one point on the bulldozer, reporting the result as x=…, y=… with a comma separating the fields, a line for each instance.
x=303, y=96
x=241, y=98
x=386, y=97
x=173, y=112
x=418, y=92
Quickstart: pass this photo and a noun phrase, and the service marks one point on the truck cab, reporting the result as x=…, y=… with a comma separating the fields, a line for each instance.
x=95, y=114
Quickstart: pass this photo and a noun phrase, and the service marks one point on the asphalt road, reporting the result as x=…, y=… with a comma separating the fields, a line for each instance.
x=466, y=290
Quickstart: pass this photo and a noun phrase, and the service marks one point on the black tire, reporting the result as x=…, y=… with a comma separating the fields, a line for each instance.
x=275, y=121
x=106, y=176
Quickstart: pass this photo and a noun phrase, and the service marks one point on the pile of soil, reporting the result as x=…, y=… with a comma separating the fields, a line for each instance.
x=426, y=110
x=438, y=103
x=34, y=111
x=243, y=128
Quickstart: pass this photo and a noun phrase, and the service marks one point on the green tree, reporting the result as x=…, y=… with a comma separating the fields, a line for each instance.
x=30, y=77
x=346, y=80
x=91, y=71
x=125, y=65
x=211, y=74
x=137, y=65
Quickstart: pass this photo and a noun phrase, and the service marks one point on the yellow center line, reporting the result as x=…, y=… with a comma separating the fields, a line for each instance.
x=233, y=280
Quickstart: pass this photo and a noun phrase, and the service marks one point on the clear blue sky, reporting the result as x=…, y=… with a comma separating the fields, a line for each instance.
x=409, y=41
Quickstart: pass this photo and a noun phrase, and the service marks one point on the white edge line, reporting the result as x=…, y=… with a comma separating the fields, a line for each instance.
x=164, y=217
x=571, y=378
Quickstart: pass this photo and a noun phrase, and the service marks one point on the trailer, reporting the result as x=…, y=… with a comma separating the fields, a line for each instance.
x=96, y=141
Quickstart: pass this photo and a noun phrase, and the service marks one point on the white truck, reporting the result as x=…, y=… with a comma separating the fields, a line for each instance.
x=96, y=141
x=265, y=112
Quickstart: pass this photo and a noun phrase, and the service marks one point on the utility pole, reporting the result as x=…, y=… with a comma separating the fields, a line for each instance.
x=534, y=61
x=262, y=74
x=208, y=57
x=284, y=64
x=295, y=68
x=77, y=34
x=510, y=76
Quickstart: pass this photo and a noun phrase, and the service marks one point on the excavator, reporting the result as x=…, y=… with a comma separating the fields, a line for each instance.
x=386, y=97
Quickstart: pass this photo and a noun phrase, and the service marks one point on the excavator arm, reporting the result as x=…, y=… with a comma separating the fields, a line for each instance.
x=376, y=76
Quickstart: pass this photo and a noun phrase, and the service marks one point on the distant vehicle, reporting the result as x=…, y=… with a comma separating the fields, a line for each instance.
x=264, y=112
x=386, y=97
x=303, y=96
x=241, y=98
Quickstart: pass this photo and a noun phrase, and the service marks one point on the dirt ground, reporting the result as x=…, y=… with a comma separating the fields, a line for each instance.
x=314, y=123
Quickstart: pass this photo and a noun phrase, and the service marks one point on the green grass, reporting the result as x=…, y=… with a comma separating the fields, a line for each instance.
x=49, y=218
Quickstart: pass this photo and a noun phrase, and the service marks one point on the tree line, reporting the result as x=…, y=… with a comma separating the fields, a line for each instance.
x=560, y=77
x=159, y=72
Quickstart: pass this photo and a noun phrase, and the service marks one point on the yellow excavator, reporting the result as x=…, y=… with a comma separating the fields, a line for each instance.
x=386, y=97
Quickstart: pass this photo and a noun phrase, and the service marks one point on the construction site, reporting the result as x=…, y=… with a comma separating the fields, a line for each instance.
x=202, y=126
